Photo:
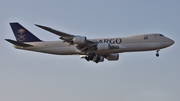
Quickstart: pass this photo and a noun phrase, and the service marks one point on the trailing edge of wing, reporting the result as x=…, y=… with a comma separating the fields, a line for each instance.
x=59, y=33
x=18, y=43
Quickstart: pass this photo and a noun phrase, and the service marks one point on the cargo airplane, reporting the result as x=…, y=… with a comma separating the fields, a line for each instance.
x=95, y=50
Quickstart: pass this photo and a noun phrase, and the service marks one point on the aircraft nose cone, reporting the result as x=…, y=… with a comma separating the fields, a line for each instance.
x=171, y=42
x=168, y=42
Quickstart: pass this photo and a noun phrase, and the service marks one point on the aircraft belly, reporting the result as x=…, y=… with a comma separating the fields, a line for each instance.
x=58, y=50
x=63, y=50
x=143, y=46
x=134, y=47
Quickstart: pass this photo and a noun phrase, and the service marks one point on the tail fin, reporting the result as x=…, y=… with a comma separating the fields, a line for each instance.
x=22, y=34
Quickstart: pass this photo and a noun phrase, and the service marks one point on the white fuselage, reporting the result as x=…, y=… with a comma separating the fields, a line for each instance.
x=145, y=42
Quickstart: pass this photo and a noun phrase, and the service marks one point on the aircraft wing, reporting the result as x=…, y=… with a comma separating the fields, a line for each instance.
x=55, y=31
x=69, y=38
x=87, y=47
x=64, y=36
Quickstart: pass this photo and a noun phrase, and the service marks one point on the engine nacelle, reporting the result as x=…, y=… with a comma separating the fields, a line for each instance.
x=112, y=57
x=103, y=46
x=80, y=40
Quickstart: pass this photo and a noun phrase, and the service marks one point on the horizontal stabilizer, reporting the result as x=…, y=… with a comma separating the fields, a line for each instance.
x=18, y=43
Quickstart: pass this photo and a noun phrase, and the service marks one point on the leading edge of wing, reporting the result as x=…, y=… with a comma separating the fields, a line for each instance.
x=59, y=33
x=63, y=35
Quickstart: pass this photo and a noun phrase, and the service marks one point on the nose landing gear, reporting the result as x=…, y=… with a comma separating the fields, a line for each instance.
x=157, y=54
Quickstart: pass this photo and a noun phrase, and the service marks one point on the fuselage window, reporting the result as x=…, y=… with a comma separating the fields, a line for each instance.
x=145, y=37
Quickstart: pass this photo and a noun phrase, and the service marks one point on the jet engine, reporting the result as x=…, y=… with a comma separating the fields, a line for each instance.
x=112, y=57
x=103, y=46
x=80, y=40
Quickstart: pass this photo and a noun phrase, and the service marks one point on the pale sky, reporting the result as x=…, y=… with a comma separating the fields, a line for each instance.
x=137, y=76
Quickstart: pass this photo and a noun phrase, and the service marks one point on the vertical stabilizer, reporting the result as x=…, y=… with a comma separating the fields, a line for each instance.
x=22, y=34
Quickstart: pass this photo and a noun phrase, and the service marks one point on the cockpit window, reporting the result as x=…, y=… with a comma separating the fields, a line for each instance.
x=161, y=35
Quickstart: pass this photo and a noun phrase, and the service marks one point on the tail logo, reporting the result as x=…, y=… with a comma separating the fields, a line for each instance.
x=21, y=36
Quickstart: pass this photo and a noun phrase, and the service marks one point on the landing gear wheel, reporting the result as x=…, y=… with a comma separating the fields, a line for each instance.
x=97, y=60
x=87, y=58
x=157, y=54
x=90, y=57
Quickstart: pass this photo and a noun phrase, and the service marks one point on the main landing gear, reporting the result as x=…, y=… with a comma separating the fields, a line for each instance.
x=157, y=53
x=93, y=57
x=90, y=57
